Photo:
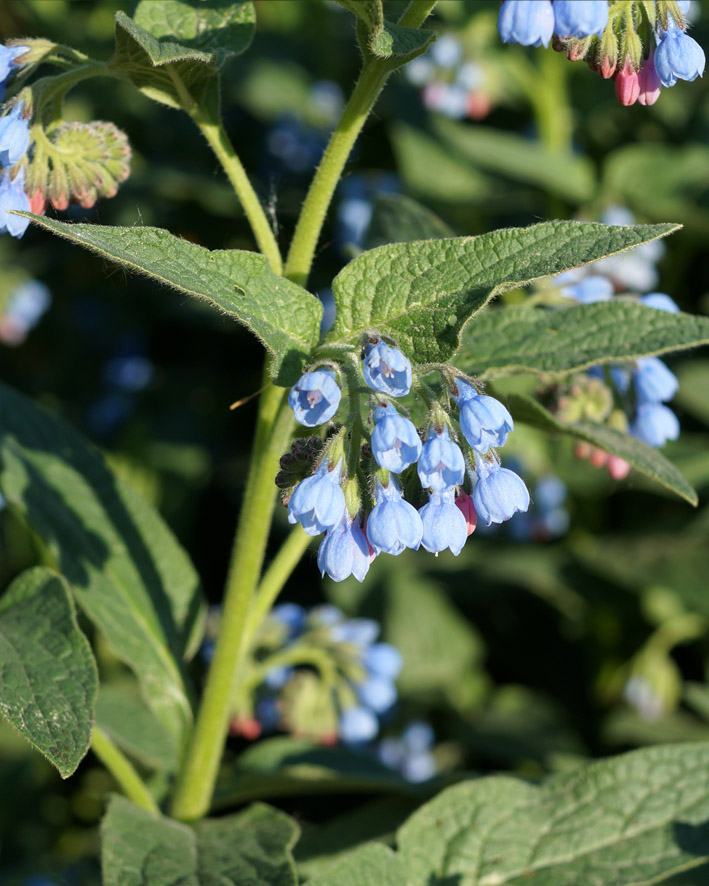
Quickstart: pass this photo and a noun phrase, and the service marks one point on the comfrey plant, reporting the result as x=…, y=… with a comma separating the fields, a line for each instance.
x=407, y=402
x=643, y=46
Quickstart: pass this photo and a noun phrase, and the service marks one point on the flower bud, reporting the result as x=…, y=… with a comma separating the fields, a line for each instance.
x=627, y=84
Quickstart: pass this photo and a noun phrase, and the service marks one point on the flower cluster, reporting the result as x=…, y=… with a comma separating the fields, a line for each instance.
x=357, y=495
x=319, y=675
x=450, y=84
x=410, y=753
x=609, y=37
x=14, y=142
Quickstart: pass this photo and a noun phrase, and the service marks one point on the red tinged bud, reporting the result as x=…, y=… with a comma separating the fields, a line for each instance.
x=617, y=467
x=599, y=458
x=627, y=84
x=607, y=68
x=465, y=505
x=650, y=83
x=38, y=203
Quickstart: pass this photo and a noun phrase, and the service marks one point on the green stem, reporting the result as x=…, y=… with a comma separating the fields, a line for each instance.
x=370, y=83
x=297, y=655
x=123, y=771
x=196, y=781
x=549, y=95
x=274, y=579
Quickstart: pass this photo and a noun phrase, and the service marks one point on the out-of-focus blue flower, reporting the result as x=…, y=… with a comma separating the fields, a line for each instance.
x=411, y=753
x=14, y=136
x=484, y=421
x=268, y=713
x=297, y=145
x=326, y=101
x=447, y=51
x=655, y=424
x=357, y=631
x=530, y=23
x=329, y=310
x=277, y=678
x=353, y=217
x=441, y=465
x=13, y=197
x=580, y=18
x=382, y=660
x=386, y=370
x=678, y=57
x=344, y=551
x=325, y=615
x=499, y=493
x=549, y=492
x=660, y=301
x=109, y=411
x=130, y=373
x=393, y=524
x=589, y=290
x=25, y=307
x=358, y=725
x=292, y=616
x=395, y=440
x=654, y=382
x=444, y=526
x=315, y=397
x=318, y=502
x=377, y=693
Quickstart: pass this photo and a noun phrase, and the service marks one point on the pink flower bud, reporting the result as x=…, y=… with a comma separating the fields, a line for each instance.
x=583, y=450
x=248, y=727
x=465, y=505
x=38, y=203
x=479, y=105
x=607, y=68
x=599, y=458
x=617, y=467
x=627, y=84
x=650, y=83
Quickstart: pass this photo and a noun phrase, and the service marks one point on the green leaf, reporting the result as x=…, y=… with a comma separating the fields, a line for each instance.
x=693, y=394
x=241, y=284
x=513, y=156
x=283, y=766
x=632, y=820
x=400, y=43
x=371, y=864
x=125, y=568
x=252, y=848
x=174, y=48
x=124, y=717
x=370, y=12
x=423, y=293
x=48, y=677
x=642, y=457
x=398, y=219
x=523, y=339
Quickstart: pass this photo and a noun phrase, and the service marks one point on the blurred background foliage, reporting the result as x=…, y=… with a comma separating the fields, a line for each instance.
x=522, y=652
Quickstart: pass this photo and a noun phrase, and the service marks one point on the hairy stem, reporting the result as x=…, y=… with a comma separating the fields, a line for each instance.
x=123, y=771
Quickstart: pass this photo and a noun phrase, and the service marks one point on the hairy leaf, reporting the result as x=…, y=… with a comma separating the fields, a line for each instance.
x=125, y=568
x=48, y=677
x=522, y=339
x=251, y=848
x=172, y=49
x=400, y=43
x=423, y=293
x=632, y=820
x=642, y=457
x=241, y=284
x=373, y=863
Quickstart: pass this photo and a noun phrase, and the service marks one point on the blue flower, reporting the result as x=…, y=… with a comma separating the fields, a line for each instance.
x=484, y=421
x=655, y=424
x=441, y=465
x=530, y=23
x=358, y=725
x=14, y=136
x=589, y=290
x=394, y=524
x=357, y=631
x=499, y=493
x=654, y=382
x=444, y=525
x=377, y=693
x=12, y=196
x=550, y=492
x=660, y=301
x=411, y=753
x=580, y=18
x=386, y=370
x=291, y=615
x=314, y=398
x=277, y=677
x=395, y=440
x=678, y=57
x=344, y=551
x=318, y=502
x=8, y=54
x=382, y=660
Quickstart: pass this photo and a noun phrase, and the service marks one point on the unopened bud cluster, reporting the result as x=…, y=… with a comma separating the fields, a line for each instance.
x=384, y=485
x=643, y=46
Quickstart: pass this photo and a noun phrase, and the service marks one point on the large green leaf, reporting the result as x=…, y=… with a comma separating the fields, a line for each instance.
x=48, y=677
x=513, y=156
x=252, y=848
x=371, y=865
x=423, y=293
x=172, y=49
x=125, y=568
x=642, y=457
x=241, y=284
x=522, y=339
x=632, y=820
